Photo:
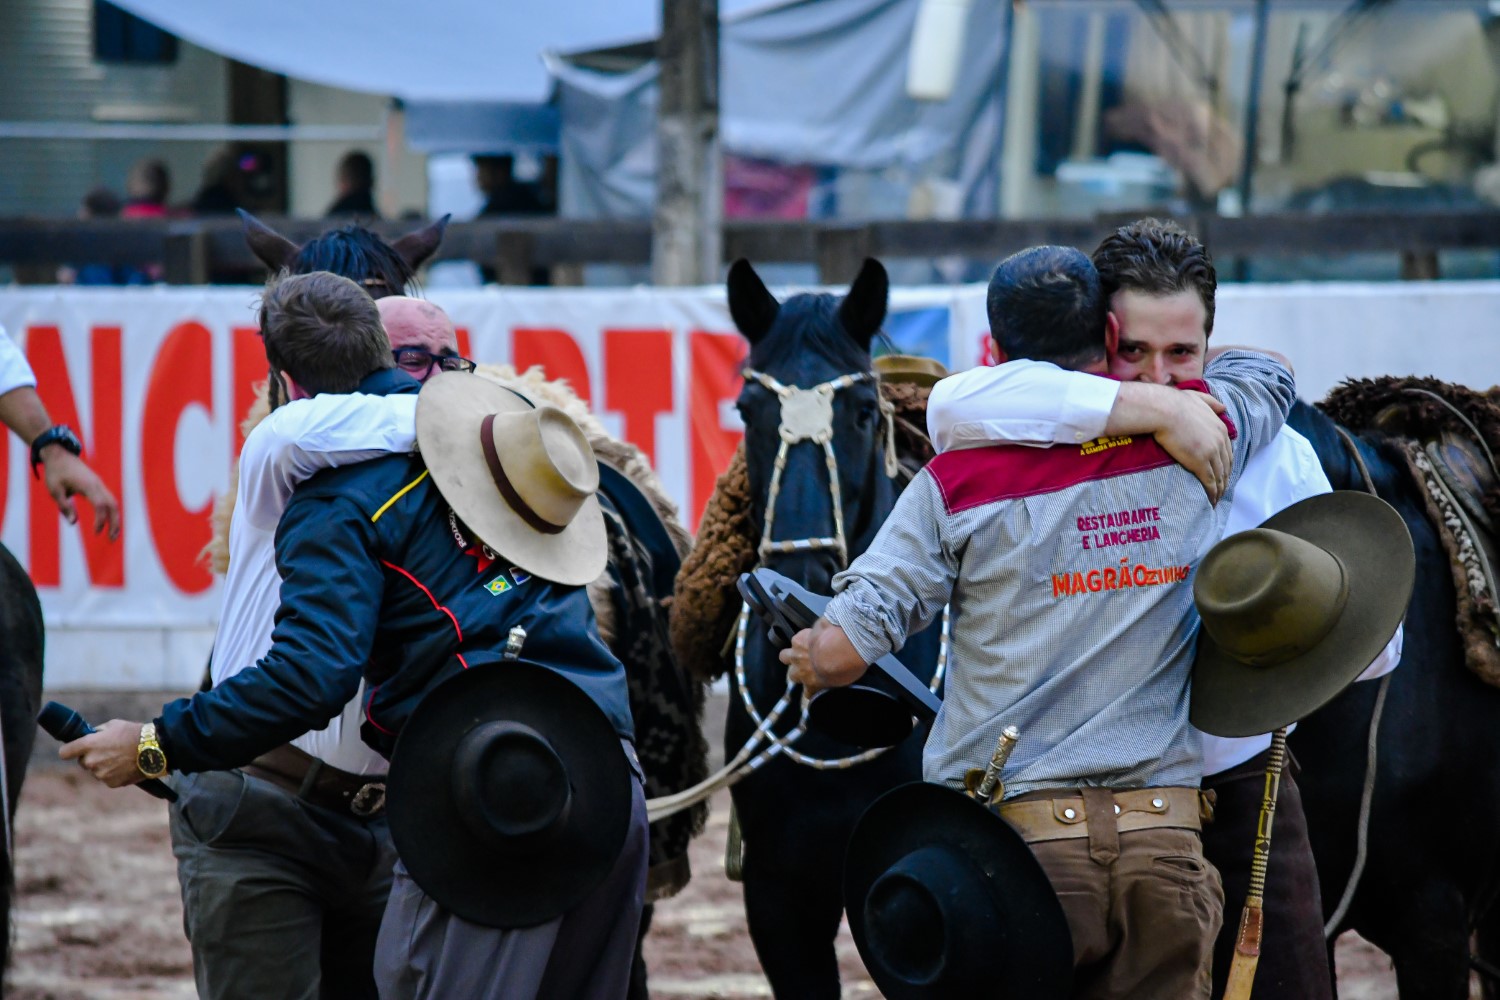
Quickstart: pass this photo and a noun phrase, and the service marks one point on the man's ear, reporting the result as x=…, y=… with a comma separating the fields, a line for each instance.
x=1111, y=333
x=293, y=390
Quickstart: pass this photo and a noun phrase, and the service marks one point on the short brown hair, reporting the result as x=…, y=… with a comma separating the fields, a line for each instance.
x=1157, y=258
x=323, y=331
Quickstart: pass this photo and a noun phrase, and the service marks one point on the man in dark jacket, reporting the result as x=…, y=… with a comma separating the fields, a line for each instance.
x=383, y=578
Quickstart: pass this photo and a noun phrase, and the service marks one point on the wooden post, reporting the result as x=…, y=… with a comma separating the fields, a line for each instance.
x=687, y=228
x=513, y=252
x=186, y=256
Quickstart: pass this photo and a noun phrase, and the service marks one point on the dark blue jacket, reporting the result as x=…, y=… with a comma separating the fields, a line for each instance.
x=374, y=584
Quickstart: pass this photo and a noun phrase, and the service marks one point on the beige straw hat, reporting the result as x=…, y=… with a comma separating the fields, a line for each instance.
x=522, y=477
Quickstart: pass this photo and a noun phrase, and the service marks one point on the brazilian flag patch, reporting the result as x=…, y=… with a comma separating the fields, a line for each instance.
x=498, y=585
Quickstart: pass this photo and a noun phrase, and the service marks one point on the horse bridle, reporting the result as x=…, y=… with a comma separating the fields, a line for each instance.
x=807, y=415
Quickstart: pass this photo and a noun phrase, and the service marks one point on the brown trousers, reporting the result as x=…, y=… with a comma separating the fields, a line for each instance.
x=1143, y=907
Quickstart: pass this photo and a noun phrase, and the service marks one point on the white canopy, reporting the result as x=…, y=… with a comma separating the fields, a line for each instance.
x=434, y=50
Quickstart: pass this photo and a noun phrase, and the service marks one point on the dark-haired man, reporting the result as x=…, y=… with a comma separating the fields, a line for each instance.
x=1162, y=287
x=1086, y=648
x=381, y=579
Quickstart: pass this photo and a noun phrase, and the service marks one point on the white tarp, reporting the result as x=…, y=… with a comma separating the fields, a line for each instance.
x=818, y=82
x=436, y=50
x=157, y=379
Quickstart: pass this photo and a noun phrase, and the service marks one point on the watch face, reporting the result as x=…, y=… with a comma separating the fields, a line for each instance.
x=151, y=761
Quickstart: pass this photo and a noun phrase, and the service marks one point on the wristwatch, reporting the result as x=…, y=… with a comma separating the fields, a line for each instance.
x=148, y=755
x=59, y=434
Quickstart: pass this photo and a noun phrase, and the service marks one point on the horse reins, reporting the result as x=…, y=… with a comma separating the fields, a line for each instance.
x=806, y=415
x=1367, y=793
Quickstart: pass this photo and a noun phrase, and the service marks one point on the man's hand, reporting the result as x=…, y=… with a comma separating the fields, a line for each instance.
x=1198, y=440
x=66, y=476
x=109, y=754
x=822, y=657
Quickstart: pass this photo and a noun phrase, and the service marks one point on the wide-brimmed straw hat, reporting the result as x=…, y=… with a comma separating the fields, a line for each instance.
x=946, y=900
x=1295, y=610
x=509, y=794
x=909, y=368
x=521, y=477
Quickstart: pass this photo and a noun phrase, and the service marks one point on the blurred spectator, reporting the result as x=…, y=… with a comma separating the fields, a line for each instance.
x=222, y=188
x=146, y=189
x=507, y=196
x=355, y=183
x=101, y=203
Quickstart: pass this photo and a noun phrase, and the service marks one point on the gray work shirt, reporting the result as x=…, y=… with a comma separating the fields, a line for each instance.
x=1069, y=573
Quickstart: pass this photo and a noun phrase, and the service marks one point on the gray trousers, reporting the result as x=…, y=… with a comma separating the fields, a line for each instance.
x=280, y=898
x=427, y=953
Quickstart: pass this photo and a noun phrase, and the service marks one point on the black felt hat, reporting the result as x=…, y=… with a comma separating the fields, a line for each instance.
x=946, y=900
x=509, y=795
x=1295, y=610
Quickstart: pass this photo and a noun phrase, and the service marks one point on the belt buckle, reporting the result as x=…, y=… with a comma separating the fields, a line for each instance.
x=369, y=800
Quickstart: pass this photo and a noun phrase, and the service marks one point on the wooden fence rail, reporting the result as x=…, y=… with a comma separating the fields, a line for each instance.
x=195, y=251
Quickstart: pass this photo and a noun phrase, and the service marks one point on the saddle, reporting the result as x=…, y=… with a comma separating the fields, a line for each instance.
x=1449, y=435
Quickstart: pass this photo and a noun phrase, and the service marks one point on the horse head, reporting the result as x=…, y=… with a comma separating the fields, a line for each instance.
x=352, y=251
x=811, y=406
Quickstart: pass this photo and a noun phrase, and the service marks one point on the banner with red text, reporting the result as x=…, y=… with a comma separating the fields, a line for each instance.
x=156, y=381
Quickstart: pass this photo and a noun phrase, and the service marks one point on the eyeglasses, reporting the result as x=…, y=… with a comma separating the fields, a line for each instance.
x=418, y=363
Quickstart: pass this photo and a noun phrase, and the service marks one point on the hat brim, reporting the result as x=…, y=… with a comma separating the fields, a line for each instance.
x=1032, y=951
x=1232, y=698
x=450, y=410
x=910, y=368
x=478, y=882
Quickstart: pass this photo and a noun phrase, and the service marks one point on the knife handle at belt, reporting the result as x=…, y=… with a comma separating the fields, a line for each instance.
x=1003, y=749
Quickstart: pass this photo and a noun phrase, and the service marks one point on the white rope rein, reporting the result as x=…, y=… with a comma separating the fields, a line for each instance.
x=1367, y=793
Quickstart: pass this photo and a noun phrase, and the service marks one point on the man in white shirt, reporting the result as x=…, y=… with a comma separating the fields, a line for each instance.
x=1161, y=284
x=56, y=451
x=285, y=864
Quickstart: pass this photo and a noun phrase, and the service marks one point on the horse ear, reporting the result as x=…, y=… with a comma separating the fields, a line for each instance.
x=751, y=304
x=270, y=247
x=863, y=309
x=416, y=247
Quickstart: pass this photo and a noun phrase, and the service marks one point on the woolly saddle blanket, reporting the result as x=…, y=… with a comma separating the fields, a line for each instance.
x=1448, y=435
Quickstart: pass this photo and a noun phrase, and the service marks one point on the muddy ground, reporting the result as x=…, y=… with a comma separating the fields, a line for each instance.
x=99, y=916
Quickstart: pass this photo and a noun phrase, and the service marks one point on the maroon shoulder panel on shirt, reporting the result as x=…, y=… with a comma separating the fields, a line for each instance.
x=973, y=477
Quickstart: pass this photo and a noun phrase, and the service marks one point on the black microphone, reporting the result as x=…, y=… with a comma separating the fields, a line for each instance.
x=65, y=725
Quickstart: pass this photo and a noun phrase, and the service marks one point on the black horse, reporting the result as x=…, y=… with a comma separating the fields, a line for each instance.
x=795, y=820
x=1431, y=867
x=21, y=646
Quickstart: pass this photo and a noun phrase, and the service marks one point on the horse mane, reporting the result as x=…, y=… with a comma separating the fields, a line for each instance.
x=360, y=255
x=809, y=321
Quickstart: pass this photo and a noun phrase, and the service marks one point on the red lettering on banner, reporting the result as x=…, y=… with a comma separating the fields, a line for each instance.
x=714, y=378
x=556, y=351
x=181, y=376
x=462, y=333
x=250, y=368
x=105, y=559
x=638, y=382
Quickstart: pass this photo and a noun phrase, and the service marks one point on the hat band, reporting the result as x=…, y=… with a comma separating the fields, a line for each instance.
x=507, y=488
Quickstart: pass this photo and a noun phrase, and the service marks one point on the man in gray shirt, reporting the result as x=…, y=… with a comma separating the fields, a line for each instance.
x=1068, y=572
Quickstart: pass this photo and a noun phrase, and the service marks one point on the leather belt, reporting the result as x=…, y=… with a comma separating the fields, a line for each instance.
x=1041, y=816
x=319, y=784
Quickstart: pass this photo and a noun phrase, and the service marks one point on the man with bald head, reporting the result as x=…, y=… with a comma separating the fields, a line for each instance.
x=422, y=337
x=285, y=864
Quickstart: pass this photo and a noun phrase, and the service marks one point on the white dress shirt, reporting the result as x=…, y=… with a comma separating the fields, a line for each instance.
x=14, y=371
x=294, y=442
x=1038, y=403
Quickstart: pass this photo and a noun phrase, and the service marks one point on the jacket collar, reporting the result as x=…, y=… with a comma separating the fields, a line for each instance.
x=388, y=382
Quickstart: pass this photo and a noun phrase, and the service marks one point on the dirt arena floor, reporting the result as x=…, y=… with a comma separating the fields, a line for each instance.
x=99, y=916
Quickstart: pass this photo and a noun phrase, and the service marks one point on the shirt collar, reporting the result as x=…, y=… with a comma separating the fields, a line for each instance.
x=388, y=382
